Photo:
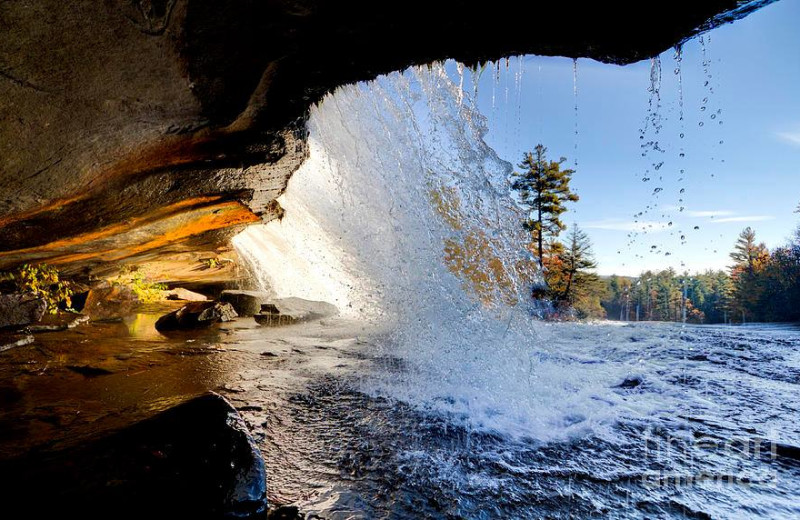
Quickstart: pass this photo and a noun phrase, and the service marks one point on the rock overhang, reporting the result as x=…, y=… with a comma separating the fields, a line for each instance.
x=134, y=129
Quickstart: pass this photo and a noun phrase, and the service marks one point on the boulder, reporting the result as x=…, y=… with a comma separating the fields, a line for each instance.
x=630, y=382
x=109, y=302
x=179, y=293
x=20, y=309
x=246, y=303
x=286, y=311
x=196, y=315
x=195, y=460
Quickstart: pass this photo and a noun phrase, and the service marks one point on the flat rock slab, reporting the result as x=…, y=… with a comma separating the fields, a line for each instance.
x=286, y=311
x=179, y=293
x=196, y=460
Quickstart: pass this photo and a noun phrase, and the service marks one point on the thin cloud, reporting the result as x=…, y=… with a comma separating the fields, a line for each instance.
x=706, y=213
x=790, y=137
x=709, y=213
x=626, y=225
x=751, y=218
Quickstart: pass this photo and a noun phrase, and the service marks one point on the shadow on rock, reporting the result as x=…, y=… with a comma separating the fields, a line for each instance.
x=196, y=460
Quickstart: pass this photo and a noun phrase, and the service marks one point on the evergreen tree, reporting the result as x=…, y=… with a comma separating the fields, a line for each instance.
x=746, y=253
x=544, y=189
x=577, y=258
x=568, y=273
x=750, y=260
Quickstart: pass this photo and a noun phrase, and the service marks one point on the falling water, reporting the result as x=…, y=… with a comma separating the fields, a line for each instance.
x=575, y=96
x=403, y=216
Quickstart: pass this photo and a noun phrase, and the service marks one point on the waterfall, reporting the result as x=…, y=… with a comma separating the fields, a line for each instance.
x=400, y=205
x=403, y=216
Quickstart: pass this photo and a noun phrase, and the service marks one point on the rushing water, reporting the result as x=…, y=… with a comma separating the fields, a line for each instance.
x=719, y=441
x=454, y=401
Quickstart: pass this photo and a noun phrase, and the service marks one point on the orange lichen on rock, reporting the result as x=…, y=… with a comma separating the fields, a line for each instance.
x=167, y=226
x=115, y=229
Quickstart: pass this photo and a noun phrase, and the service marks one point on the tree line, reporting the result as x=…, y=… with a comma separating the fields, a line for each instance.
x=760, y=285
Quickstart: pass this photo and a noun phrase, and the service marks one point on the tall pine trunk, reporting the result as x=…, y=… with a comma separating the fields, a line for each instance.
x=540, y=239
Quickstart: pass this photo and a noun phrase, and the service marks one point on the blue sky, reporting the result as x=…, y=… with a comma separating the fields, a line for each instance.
x=745, y=171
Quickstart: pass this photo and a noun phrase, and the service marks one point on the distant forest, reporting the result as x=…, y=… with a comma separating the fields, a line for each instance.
x=761, y=285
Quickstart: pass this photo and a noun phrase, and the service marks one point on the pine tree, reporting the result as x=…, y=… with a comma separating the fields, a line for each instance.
x=569, y=278
x=746, y=253
x=577, y=258
x=544, y=189
x=748, y=285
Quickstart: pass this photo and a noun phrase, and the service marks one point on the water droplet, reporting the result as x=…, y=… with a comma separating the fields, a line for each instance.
x=669, y=223
x=645, y=179
x=700, y=123
x=683, y=237
x=713, y=116
x=696, y=228
x=681, y=135
x=683, y=190
x=682, y=154
x=702, y=109
x=657, y=190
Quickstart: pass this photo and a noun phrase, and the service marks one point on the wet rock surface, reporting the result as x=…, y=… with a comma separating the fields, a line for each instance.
x=196, y=460
x=9, y=341
x=196, y=315
x=287, y=311
x=57, y=322
x=246, y=303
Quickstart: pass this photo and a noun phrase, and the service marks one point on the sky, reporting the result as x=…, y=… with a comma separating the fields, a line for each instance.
x=740, y=91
